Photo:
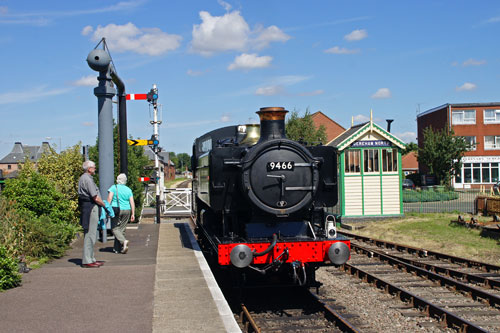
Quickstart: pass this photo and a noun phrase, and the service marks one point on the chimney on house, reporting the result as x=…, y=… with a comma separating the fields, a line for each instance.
x=389, y=121
x=18, y=148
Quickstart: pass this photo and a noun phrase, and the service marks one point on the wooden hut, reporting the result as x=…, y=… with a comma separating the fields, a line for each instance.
x=370, y=173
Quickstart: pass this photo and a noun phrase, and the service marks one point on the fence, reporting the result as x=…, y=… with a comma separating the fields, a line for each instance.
x=439, y=201
x=177, y=202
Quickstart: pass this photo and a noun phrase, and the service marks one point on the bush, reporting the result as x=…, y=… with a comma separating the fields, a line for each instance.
x=427, y=196
x=35, y=194
x=9, y=277
x=22, y=233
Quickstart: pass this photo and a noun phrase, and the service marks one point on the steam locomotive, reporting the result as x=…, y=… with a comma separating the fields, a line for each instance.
x=260, y=200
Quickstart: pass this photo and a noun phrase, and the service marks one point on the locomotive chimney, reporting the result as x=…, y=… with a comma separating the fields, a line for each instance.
x=272, y=123
x=389, y=121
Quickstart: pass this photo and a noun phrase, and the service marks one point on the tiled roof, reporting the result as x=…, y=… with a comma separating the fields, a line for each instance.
x=409, y=161
x=335, y=142
x=20, y=152
x=163, y=156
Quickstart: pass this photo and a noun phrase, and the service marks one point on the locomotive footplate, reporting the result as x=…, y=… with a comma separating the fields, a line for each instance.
x=312, y=251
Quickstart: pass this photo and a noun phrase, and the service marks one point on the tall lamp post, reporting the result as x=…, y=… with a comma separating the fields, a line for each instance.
x=53, y=138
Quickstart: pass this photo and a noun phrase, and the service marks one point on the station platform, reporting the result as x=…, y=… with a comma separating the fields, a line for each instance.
x=162, y=284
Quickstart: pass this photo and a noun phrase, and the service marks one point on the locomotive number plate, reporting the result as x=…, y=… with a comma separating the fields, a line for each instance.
x=273, y=166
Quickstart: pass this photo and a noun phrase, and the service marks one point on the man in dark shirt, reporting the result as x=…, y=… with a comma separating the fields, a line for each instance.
x=89, y=201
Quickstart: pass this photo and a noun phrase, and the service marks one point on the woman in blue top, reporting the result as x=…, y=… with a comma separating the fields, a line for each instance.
x=120, y=196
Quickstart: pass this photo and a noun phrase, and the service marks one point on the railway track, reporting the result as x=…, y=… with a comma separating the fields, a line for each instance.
x=293, y=309
x=460, y=293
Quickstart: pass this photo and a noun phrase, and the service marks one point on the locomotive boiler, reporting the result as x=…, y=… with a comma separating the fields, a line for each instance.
x=261, y=200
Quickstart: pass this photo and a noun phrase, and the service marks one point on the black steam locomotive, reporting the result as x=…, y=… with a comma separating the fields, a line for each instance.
x=260, y=199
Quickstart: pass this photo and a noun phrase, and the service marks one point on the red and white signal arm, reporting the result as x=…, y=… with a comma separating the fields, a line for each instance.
x=144, y=179
x=133, y=97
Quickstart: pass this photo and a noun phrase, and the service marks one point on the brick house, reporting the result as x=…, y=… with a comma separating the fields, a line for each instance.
x=13, y=161
x=333, y=129
x=479, y=123
x=409, y=163
x=167, y=167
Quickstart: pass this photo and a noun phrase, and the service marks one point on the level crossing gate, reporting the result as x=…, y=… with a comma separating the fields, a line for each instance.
x=177, y=202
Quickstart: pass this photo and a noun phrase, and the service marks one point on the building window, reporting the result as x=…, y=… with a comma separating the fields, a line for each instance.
x=370, y=160
x=389, y=160
x=492, y=142
x=471, y=140
x=492, y=116
x=9, y=167
x=479, y=173
x=352, y=160
x=463, y=117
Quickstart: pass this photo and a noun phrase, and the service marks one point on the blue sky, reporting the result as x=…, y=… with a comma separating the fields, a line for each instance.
x=217, y=62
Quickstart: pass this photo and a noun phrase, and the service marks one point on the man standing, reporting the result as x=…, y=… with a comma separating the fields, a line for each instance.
x=89, y=202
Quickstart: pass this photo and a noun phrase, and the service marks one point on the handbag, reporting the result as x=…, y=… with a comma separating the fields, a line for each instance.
x=116, y=210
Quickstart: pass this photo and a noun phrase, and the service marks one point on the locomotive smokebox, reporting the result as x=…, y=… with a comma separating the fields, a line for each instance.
x=272, y=123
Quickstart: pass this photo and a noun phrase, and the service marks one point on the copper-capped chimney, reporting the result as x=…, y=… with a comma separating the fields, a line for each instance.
x=272, y=123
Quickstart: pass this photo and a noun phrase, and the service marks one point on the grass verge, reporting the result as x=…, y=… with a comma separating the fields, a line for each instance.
x=435, y=232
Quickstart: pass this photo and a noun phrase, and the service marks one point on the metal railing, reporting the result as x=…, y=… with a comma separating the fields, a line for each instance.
x=439, y=201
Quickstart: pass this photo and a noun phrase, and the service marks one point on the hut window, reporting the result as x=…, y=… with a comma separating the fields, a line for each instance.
x=371, y=160
x=389, y=160
x=352, y=161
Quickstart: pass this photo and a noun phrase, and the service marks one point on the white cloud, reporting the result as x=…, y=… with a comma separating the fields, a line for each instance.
x=86, y=81
x=250, y=61
x=32, y=95
x=231, y=32
x=87, y=30
x=225, y=5
x=473, y=62
x=467, y=86
x=356, y=35
x=41, y=18
x=312, y=93
x=4, y=10
x=270, y=91
x=268, y=35
x=225, y=118
x=361, y=118
x=88, y=123
x=339, y=50
x=382, y=93
x=493, y=20
x=288, y=80
x=191, y=72
x=128, y=37
x=407, y=136
x=220, y=33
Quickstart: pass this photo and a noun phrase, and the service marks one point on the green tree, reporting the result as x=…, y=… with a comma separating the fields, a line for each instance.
x=302, y=128
x=173, y=158
x=442, y=153
x=64, y=170
x=184, y=160
x=137, y=162
x=412, y=146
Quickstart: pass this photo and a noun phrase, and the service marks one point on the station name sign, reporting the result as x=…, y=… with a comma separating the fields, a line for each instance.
x=480, y=159
x=372, y=143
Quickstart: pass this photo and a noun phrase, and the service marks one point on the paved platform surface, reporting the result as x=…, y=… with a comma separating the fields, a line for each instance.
x=130, y=293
